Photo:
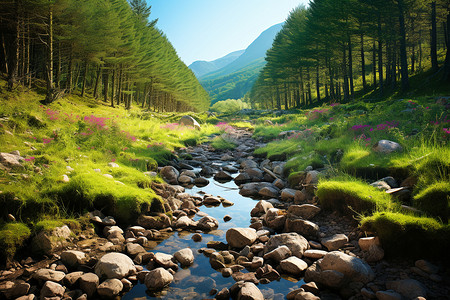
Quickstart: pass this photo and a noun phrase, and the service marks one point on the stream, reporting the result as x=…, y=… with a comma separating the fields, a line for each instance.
x=198, y=280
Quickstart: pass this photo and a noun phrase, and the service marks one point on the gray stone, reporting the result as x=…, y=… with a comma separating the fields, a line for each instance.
x=170, y=174
x=288, y=194
x=223, y=176
x=11, y=160
x=184, y=256
x=52, y=289
x=189, y=121
x=249, y=291
x=269, y=192
x=50, y=241
x=72, y=258
x=89, y=283
x=278, y=254
x=304, y=211
x=134, y=249
x=164, y=260
x=409, y=288
x=184, y=179
x=241, y=237
x=72, y=278
x=386, y=147
x=353, y=268
x=114, y=265
x=49, y=275
x=158, y=279
x=295, y=242
x=261, y=208
x=335, y=242
x=12, y=290
x=303, y=227
x=293, y=265
x=110, y=288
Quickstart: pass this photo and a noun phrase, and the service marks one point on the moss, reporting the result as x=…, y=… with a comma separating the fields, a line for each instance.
x=402, y=234
x=48, y=225
x=93, y=190
x=351, y=196
x=222, y=143
x=12, y=237
x=435, y=200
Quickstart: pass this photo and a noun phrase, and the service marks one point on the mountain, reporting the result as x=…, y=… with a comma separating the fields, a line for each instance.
x=202, y=67
x=239, y=69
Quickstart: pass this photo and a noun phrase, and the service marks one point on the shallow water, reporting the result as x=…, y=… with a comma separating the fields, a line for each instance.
x=197, y=281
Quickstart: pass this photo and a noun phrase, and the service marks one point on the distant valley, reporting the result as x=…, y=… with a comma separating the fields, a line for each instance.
x=233, y=75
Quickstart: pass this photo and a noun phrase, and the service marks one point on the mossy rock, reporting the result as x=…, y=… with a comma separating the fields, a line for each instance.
x=407, y=235
x=295, y=179
x=350, y=196
x=12, y=237
x=435, y=200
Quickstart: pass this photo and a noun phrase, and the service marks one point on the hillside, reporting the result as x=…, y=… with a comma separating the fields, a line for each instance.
x=202, y=67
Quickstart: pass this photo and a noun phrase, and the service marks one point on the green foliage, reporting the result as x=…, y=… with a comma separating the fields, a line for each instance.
x=352, y=196
x=12, y=237
x=435, y=200
x=229, y=106
x=223, y=143
x=408, y=235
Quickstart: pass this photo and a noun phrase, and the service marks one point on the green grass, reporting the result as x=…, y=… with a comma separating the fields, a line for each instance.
x=222, y=143
x=409, y=235
x=352, y=196
x=12, y=237
x=435, y=200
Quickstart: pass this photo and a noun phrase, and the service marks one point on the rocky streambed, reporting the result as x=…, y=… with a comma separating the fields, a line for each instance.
x=216, y=242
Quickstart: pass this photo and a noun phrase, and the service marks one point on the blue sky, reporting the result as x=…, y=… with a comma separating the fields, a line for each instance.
x=209, y=29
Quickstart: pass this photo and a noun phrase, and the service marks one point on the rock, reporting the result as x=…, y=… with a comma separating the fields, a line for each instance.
x=314, y=254
x=48, y=242
x=311, y=287
x=165, y=260
x=159, y=222
x=275, y=219
x=278, y=254
x=189, y=121
x=303, y=295
x=170, y=174
x=301, y=196
x=197, y=237
x=134, y=249
x=241, y=237
x=267, y=272
x=65, y=178
x=293, y=265
x=223, y=176
x=248, y=164
x=157, y=279
x=353, y=268
x=335, y=242
x=269, y=192
x=303, y=227
x=408, y=288
x=252, y=189
x=295, y=242
x=183, y=179
x=12, y=290
x=49, y=275
x=243, y=177
x=366, y=242
x=261, y=208
x=288, y=194
x=224, y=294
x=72, y=258
x=312, y=177
x=227, y=218
x=113, y=165
x=114, y=265
x=207, y=223
x=214, y=201
x=11, y=160
x=427, y=266
x=52, y=289
x=375, y=254
x=380, y=184
x=227, y=272
x=184, y=222
x=110, y=288
x=388, y=295
x=227, y=203
x=304, y=211
x=249, y=291
x=227, y=157
x=200, y=181
x=89, y=283
x=184, y=256
x=386, y=147
x=72, y=278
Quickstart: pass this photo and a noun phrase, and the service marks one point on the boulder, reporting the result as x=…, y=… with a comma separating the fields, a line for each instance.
x=366, y=242
x=170, y=174
x=158, y=279
x=295, y=242
x=49, y=275
x=72, y=258
x=13, y=290
x=278, y=254
x=200, y=181
x=312, y=177
x=408, y=288
x=150, y=222
x=293, y=265
x=249, y=291
x=261, y=208
x=314, y=254
x=134, y=249
x=52, y=289
x=386, y=147
x=89, y=283
x=374, y=254
x=48, y=242
x=184, y=256
x=223, y=176
x=288, y=194
x=110, y=288
x=426, y=266
x=304, y=211
x=335, y=242
x=11, y=160
x=184, y=179
x=269, y=192
x=211, y=200
x=248, y=164
x=165, y=260
x=243, y=177
x=241, y=237
x=207, y=223
x=184, y=222
x=303, y=227
x=388, y=295
x=189, y=121
x=275, y=219
x=115, y=265
x=72, y=278
x=252, y=189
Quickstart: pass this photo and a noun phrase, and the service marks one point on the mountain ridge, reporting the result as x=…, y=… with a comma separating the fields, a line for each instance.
x=202, y=67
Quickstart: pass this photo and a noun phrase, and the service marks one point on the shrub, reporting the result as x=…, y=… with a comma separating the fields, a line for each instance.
x=402, y=234
x=12, y=236
x=351, y=196
x=435, y=200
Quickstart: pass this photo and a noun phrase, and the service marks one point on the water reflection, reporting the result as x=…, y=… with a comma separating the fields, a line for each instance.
x=198, y=280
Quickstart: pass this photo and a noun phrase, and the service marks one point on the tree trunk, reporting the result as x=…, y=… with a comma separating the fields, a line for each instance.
x=28, y=55
x=344, y=72
x=5, y=54
x=350, y=66
x=50, y=87
x=70, y=72
x=363, y=64
x=433, y=45
x=374, y=65
x=83, y=88
x=403, y=58
x=380, y=57
x=58, y=68
x=12, y=76
x=413, y=59
x=278, y=99
x=105, y=84
x=317, y=83
x=97, y=81
x=446, y=75
x=113, y=83
x=286, y=106
x=120, y=94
